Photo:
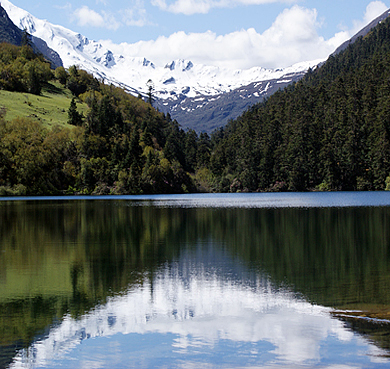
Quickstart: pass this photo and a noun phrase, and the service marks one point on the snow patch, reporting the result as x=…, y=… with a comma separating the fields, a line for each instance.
x=116, y=65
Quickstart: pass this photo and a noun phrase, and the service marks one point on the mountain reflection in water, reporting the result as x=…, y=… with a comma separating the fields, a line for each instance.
x=192, y=309
x=98, y=284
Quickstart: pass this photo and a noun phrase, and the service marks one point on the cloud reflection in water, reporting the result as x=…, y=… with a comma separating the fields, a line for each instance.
x=192, y=314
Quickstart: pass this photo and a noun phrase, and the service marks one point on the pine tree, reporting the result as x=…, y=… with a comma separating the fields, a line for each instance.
x=74, y=117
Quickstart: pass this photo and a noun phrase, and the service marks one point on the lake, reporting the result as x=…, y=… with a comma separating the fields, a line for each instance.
x=288, y=280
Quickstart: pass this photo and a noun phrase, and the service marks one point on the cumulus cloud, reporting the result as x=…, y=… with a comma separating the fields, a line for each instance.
x=373, y=10
x=292, y=38
x=189, y=7
x=87, y=17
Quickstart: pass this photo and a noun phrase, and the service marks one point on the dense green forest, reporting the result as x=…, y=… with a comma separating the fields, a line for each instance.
x=122, y=145
x=329, y=131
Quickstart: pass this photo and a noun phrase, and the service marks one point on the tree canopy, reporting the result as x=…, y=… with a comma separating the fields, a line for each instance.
x=122, y=145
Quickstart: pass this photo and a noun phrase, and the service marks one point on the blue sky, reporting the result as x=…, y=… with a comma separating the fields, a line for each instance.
x=232, y=33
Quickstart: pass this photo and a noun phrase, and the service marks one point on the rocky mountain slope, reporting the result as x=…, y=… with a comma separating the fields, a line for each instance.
x=13, y=35
x=205, y=112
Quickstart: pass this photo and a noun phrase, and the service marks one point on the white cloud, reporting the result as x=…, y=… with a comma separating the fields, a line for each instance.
x=373, y=10
x=132, y=16
x=89, y=18
x=293, y=37
x=189, y=7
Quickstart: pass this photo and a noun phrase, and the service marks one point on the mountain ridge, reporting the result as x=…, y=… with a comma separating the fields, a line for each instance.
x=363, y=32
x=177, y=84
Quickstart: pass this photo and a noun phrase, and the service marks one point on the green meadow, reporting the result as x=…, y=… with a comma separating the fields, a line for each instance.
x=49, y=108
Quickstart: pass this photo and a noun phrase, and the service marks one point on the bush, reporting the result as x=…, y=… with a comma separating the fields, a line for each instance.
x=387, y=184
x=16, y=190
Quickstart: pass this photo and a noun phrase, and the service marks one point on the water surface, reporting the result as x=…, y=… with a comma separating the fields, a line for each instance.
x=211, y=281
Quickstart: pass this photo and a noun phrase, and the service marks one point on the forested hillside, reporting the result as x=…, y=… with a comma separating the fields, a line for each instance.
x=329, y=131
x=121, y=145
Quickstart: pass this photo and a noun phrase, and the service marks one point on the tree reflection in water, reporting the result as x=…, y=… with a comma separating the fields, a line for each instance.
x=205, y=277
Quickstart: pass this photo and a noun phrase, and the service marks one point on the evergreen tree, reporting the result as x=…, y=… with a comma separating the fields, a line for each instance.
x=203, y=151
x=74, y=117
x=190, y=150
x=34, y=81
x=150, y=86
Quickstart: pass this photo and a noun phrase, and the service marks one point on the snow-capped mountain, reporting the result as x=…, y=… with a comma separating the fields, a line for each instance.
x=180, y=87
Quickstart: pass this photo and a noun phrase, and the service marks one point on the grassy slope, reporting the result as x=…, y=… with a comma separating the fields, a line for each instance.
x=50, y=108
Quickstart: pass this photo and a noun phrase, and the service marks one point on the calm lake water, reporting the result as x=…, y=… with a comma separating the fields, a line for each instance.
x=196, y=281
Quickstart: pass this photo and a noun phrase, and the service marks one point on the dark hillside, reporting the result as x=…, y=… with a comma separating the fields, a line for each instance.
x=8, y=31
x=329, y=131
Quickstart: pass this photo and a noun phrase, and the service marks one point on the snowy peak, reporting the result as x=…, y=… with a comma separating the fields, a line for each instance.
x=179, y=85
x=115, y=64
x=107, y=59
x=180, y=64
x=147, y=63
